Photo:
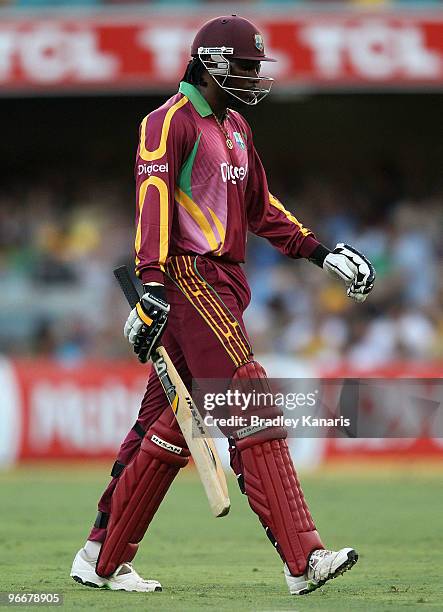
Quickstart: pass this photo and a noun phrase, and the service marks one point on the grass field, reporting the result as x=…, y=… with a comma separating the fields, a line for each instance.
x=394, y=520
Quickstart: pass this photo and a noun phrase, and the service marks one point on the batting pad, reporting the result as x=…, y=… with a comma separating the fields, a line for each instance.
x=275, y=495
x=140, y=490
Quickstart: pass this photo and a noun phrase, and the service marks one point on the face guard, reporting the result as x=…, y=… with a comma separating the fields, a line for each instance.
x=219, y=67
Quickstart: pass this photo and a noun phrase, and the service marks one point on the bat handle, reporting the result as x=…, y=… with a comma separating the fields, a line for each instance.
x=127, y=286
x=130, y=290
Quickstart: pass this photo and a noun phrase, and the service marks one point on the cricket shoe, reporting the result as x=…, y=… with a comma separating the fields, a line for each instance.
x=125, y=578
x=323, y=565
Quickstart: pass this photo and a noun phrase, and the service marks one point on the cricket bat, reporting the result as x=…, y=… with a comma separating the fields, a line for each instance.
x=203, y=450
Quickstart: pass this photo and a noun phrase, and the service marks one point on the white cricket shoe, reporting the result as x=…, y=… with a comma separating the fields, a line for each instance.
x=125, y=578
x=322, y=566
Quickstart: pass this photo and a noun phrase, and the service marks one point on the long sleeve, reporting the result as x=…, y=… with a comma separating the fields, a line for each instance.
x=268, y=218
x=161, y=149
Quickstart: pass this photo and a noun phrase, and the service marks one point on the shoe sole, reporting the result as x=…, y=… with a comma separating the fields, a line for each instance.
x=106, y=588
x=87, y=583
x=341, y=569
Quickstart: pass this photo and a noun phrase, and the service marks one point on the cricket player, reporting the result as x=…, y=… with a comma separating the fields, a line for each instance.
x=200, y=188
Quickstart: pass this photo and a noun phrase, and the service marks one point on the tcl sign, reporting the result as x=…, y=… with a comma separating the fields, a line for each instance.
x=48, y=53
x=147, y=51
x=169, y=46
x=371, y=50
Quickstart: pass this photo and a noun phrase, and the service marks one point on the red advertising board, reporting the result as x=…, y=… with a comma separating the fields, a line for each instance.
x=426, y=444
x=148, y=51
x=48, y=411
x=52, y=411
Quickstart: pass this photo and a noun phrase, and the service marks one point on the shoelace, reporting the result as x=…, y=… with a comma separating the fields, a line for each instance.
x=316, y=557
x=133, y=571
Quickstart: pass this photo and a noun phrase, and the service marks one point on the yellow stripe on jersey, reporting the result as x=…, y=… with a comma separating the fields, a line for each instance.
x=192, y=208
x=274, y=202
x=220, y=229
x=162, y=188
x=161, y=149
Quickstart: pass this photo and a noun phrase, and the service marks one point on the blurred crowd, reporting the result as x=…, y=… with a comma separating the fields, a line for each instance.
x=299, y=312
x=59, y=243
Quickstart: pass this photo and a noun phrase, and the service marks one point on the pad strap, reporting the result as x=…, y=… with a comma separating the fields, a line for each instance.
x=117, y=469
x=118, y=466
x=101, y=522
x=139, y=429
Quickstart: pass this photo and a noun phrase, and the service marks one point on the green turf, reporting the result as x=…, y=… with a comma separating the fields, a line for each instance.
x=393, y=520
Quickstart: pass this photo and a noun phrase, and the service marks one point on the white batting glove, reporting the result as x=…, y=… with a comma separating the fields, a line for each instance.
x=147, y=321
x=353, y=268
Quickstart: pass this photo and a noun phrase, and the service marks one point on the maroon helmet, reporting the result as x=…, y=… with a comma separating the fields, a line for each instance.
x=233, y=38
x=231, y=32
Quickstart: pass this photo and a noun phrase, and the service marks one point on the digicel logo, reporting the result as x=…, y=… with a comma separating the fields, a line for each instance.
x=150, y=168
x=233, y=173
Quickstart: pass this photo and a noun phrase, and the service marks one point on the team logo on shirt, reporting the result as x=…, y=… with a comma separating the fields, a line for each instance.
x=258, y=39
x=152, y=168
x=233, y=173
x=239, y=140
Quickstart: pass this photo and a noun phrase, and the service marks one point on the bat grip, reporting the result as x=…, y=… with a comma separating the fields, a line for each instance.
x=132, y=295
x=127, y=286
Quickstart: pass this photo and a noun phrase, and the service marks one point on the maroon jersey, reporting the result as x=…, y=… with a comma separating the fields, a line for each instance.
x=197, y=195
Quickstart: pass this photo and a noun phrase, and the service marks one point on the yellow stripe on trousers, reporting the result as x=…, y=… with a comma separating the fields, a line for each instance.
x=224, y=310
x=217, y=307
x=195, y=297
x=232, y=326
x=187, y=291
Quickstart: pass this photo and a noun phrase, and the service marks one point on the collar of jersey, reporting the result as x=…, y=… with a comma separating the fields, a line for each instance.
x=196, y=99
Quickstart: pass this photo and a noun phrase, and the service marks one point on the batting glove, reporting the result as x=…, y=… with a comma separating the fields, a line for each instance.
x=147, y=321
x=353, y=268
